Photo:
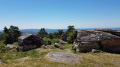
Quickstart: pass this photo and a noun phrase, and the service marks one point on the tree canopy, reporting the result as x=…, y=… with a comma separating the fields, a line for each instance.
x=12, y=34
x=42, y=33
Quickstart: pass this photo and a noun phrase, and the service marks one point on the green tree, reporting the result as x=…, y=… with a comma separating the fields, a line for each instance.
x=70, y=29
x=6, y=30
x=55, y=35
x=64, y=36
x=47, y=41
x=50, y=36
x=12, y=34
x=42, y=33
x=2, y=36
x=60, y=32
x=71, y=37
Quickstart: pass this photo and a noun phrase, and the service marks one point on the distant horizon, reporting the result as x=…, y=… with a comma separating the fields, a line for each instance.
x=66, y=28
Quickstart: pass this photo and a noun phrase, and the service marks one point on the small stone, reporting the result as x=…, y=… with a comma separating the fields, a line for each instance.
x=44, y=46
x=95, y=50
x=57, y=45
x=10, y=46
x=52, y=47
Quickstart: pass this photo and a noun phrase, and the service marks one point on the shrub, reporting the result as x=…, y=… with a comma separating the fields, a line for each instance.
x=55, y=40
x=15, y=43
x=70, y=38
x=3, y=49
x=2, y=36
x=47, y=41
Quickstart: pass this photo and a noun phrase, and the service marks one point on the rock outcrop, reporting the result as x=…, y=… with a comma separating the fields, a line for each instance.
x=28, y=42
x=97, y=39
x=114, y=32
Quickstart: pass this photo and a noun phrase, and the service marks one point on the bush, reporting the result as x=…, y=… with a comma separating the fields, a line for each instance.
x=3, y=49
x=15, y=43
x=47, y=41
x=2, y=36
x=55, y=40
x=70, y=38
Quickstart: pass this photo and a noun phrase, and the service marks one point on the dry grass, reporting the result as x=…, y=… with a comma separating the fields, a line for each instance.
x=39, y=59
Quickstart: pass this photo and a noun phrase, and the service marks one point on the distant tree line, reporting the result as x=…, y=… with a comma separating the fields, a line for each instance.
x=50, y=38
x=12, y=33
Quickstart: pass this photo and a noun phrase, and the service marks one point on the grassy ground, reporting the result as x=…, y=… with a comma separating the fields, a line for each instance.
x=36, y=58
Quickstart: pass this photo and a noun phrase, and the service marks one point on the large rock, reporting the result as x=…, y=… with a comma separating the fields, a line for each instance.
x=114, y=32
x=28, y=42
x=111, y=45
x=93, y=39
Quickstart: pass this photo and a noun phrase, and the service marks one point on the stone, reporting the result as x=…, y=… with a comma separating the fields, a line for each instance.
x=111, y=45
x=28, y=42
x=64, y=57
x=44, y=46
x=95, y=51
x=63, y=42
x=57, y=45
x=114, y=32
x=61, y=48
x=86, y=40
x=75, y=47
x=10, y=46
x=52, y=47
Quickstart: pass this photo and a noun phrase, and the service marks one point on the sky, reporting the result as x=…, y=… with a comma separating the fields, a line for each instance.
x=58, y=14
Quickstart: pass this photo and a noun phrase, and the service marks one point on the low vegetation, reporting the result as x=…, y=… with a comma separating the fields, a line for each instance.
x=36, y=58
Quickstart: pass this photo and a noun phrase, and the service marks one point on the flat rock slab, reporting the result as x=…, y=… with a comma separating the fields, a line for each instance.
x=64, y=57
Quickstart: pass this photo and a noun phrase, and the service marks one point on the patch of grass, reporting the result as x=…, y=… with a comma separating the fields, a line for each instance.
x=38, y=59
x=67, y=46
x=33, y=54
x=15, y=43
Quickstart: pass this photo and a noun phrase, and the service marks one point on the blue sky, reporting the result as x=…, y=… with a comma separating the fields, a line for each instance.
x=58, y=14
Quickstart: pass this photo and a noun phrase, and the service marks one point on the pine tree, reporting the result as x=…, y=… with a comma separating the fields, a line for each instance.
x=12, y=34
x=6, y=30
x=42, y=33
